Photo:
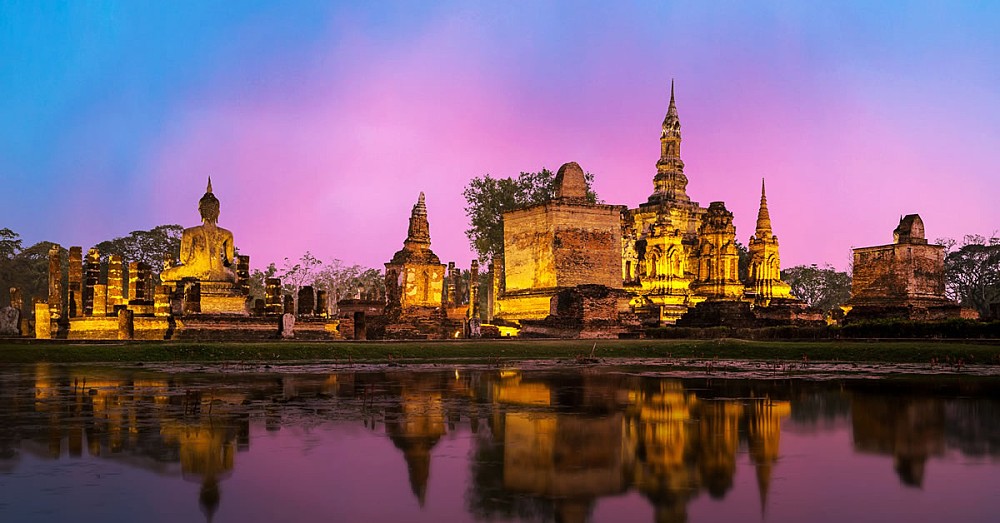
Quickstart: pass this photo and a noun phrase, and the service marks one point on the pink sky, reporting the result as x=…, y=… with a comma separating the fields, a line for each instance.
x=319, y=135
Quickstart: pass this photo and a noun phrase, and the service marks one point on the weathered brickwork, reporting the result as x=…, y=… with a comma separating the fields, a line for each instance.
x=562, y=245
x=415, y=286
x=415, y=275
x=904, y=279
x=555, y=246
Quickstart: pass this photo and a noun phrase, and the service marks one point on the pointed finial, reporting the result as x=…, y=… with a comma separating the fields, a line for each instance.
x=209, y=188
x=763, y=216
x=420, y=200
x=672, y=109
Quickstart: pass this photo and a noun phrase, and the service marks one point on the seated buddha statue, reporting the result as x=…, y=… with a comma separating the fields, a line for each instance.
x=207, y=251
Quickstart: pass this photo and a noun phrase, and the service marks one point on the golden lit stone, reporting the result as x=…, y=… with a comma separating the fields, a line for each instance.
x=764, y=276
x=557, y=245
x=207, y=250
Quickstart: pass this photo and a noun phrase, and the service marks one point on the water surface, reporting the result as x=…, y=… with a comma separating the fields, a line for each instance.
x=595, y=443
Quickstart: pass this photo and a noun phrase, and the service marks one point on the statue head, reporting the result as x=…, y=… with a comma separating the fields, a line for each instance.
x=208, y=206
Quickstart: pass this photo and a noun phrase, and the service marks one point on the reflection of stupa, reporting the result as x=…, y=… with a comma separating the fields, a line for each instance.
x=909, y=430
x=417, y=428
x=718, y=442
x=664, y=472
x=764, y=434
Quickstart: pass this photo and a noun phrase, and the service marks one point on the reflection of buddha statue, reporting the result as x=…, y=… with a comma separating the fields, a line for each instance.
x=206, y=250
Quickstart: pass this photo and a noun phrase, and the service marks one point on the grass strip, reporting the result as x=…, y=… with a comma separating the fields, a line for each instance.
x=485, y=351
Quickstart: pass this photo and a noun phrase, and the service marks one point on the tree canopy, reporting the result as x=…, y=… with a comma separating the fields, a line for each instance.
x=27, y=269
x=822, y=287
x=972, y=272
x=145, y=246
x=335, y=277
x=487, y=198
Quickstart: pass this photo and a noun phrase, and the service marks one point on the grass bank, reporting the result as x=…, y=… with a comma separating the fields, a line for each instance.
x=486, y=351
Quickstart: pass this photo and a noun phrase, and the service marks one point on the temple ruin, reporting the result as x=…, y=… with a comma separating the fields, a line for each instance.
x=570, y=268
x=416, y=306
x=672, y=255
x=901, y=280
x=561, y=264
x=203, y=296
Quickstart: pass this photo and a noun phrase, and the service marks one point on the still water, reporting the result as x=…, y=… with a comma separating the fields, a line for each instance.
x=549, y=443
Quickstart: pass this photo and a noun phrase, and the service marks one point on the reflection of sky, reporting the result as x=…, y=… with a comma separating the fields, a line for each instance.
x=353, y=474
x=321, y=122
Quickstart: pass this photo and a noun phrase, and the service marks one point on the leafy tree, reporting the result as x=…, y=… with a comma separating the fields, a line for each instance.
x=258, y=279
x=972, y=272
x=10, y=243
x=342, y=281
x=145, y=246
x=336, y=278
x=28, y=270
x=822, y=287
x=297, y=275
x=487, y=198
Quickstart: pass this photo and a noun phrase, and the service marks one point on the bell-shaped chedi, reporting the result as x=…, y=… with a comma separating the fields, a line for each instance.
x=571, y=183
x=415, y=275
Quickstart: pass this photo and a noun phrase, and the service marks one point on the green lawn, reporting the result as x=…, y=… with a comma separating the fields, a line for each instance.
x=486, y=351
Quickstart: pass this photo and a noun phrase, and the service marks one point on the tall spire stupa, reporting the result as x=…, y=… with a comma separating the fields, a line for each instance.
x=764, y=274
x=763, y=217
x=670, y=183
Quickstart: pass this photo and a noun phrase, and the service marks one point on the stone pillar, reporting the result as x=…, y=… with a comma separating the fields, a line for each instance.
x=91, y=275
x=321, y=306
x=161, y=300
x=449, y=298
x=243, y=273
x=289, y=304
x=496, y=288
x=287, y=325
x=139, y=280
x=307, y=301
x=74, y=301
x=55, y=304
x=126, y=324
x=272, y=296
x=43, y=321
x=17, y=301
x=100, y=305
x=116, y=287
x=474, y=290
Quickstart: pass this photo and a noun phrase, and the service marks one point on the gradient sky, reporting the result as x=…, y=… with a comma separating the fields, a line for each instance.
x=321, y=122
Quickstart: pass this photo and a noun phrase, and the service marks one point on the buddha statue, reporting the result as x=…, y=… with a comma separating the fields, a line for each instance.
x=207, y=252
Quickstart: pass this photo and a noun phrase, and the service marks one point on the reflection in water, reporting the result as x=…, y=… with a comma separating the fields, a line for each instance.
x=545, y=445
